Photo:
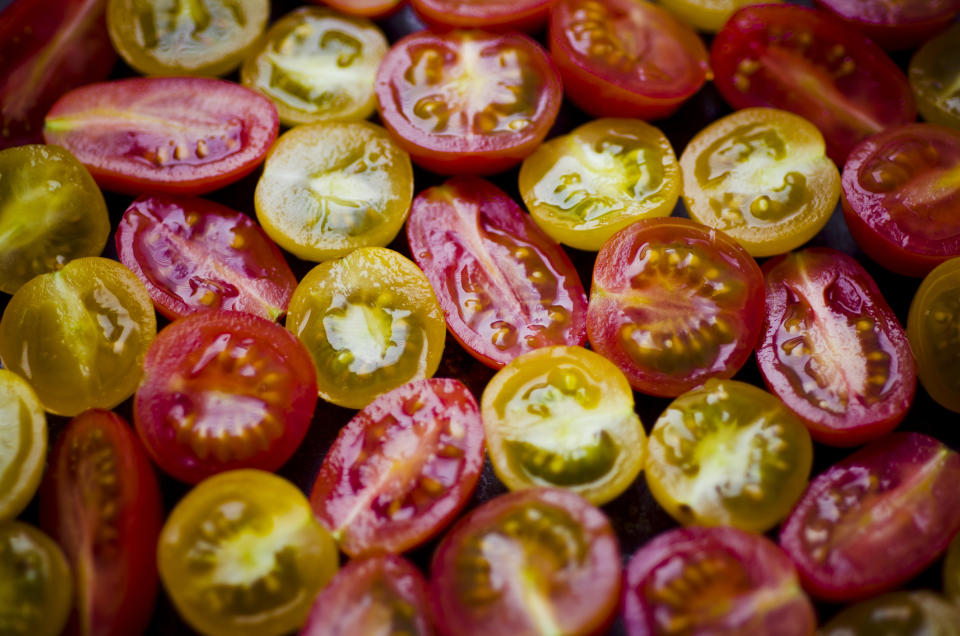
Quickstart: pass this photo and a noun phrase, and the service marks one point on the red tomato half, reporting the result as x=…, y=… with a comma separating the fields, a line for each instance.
x=832, y=348
x=194, y=255
x=895, y=24
x=101, y=502
x=468, y=102
x=402, y=468
x=506, y=288
x=178, y=135
x=875, y=519
x=492, y=15
x=47, y=47
x=224, y=390
x=804, y=61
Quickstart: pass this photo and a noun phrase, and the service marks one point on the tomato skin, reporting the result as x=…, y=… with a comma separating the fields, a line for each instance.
x=23, y=444
x=876, y=518
x=934, y=70
x=822, y=306
x=101, y=502
x=364, y=8
x=132, y=150
x=915, y=613
x=498, y=16
x=895, y=26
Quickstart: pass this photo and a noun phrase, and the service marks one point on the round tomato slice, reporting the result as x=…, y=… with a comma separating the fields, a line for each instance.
x=224, y=390
x=895, y=24
x=908, y=613
x=242, y=555
x=176, y=135
x=714, y=581
x=540, y=561
x=832, y=349
x=101, y=502
x=504, y=286
x=934, y=76
x=23, y=445
x=951, y=571
x=901, y=190
x=624, y=58
x=371, y=322
x=194, y=255
x=368, y=8
x=468, y=101
x=383, y=594
x=707, y=15
x=332, y=187
x=875, y=519
x=35, y=582
x=933, y=326
x=501, y=16
x=801, y=60
x=674, y=303
x=583, y=187
x=762, y=176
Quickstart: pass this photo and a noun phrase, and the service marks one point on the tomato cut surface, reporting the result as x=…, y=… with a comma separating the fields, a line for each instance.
x=934, y=76
x=908, y=613
x=23, y=445
x=35, y=582
x=505, y=287
x=492, y=15
x=832, y=349
x=177, y=135
x=224, y=390
x=895, y=24
x=674, y=303
x=101, y=502
x=932, y=328
x=876, y=518
x=707, y=15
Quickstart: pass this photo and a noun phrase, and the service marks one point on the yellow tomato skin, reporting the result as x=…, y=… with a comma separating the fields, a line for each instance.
x=23, y=444
x=36, y=585
x=707, y=15
x=932, y=328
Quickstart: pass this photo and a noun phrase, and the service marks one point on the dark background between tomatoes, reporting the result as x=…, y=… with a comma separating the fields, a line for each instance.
x=635, y=515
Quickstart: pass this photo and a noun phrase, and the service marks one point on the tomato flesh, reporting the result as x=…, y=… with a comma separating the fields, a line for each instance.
x=934, y=75
x=500, y=16
x=23, y=444
x=918, y=612
x=35, y=582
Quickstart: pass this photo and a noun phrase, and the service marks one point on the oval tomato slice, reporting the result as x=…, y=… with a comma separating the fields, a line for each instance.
x=876, y=518
x=674, y=303
x=194, y=255
x=505, y=287
x=832, y=349
x=23, y=444
x=714, y=581
x=101, y=502
x=799, y=59
x=934, y=76
x=177, y=135
x=539, y=561
x=492, y=15
x=933, y=326
x=224, y=390
x=895, y=24
x=36, y=584
x=909, y=613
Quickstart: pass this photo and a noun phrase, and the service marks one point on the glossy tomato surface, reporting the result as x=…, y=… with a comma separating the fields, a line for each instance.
x=368, y=8
x=491, y=15
x=196, y=255
x=179, y=135
x=505, y=287
x=101, y=502
x=224, y=390
x=876, y=518
x=934, y=76
x=707, y=15
x=909, y=613
x=832, y=349
x=895, y=24
x=36, y=584
x=23, y=444
x=932, y=327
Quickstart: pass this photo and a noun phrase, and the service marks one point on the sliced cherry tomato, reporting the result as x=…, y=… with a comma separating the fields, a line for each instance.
x=934, y=76
x=23, y=446
x=505, y=287
x=35, y=582
x=79, y=335
x=875, y=519
x=707, y=15
x=383, y=594
x=907, y=613
x=332, y=187
x=224, y=390
x=501, y=16
x=901, y=189
x=468, y=102
x=47, y=47
x=728, y=453
x=371, y=322
x=194, y=255
x=832, y=348
x=895, y=24
x=368, y=8
x=101, y=502
x=714, y=581
x=802, y=60
x=317, y=65
x=625, y=58
x=583, y=187
x=933, y=326
x=951, y=571
x=178, y=135
x=674, y=303
x=762, y=176
x=563, y=416
x=186, y=37
x=242, y=555
x=539, y=561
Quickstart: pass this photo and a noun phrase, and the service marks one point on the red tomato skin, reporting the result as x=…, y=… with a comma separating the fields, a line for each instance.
x=202, y=340
x=134, y=159
x=35, y=76
x=497, y=17
x=117, y=555
x=408, y=423
x=195, y=242
x=848, y=292
x=364, y=8
x=881, y=554
x=895, y=26
x=445, y=228
x=875, y=87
